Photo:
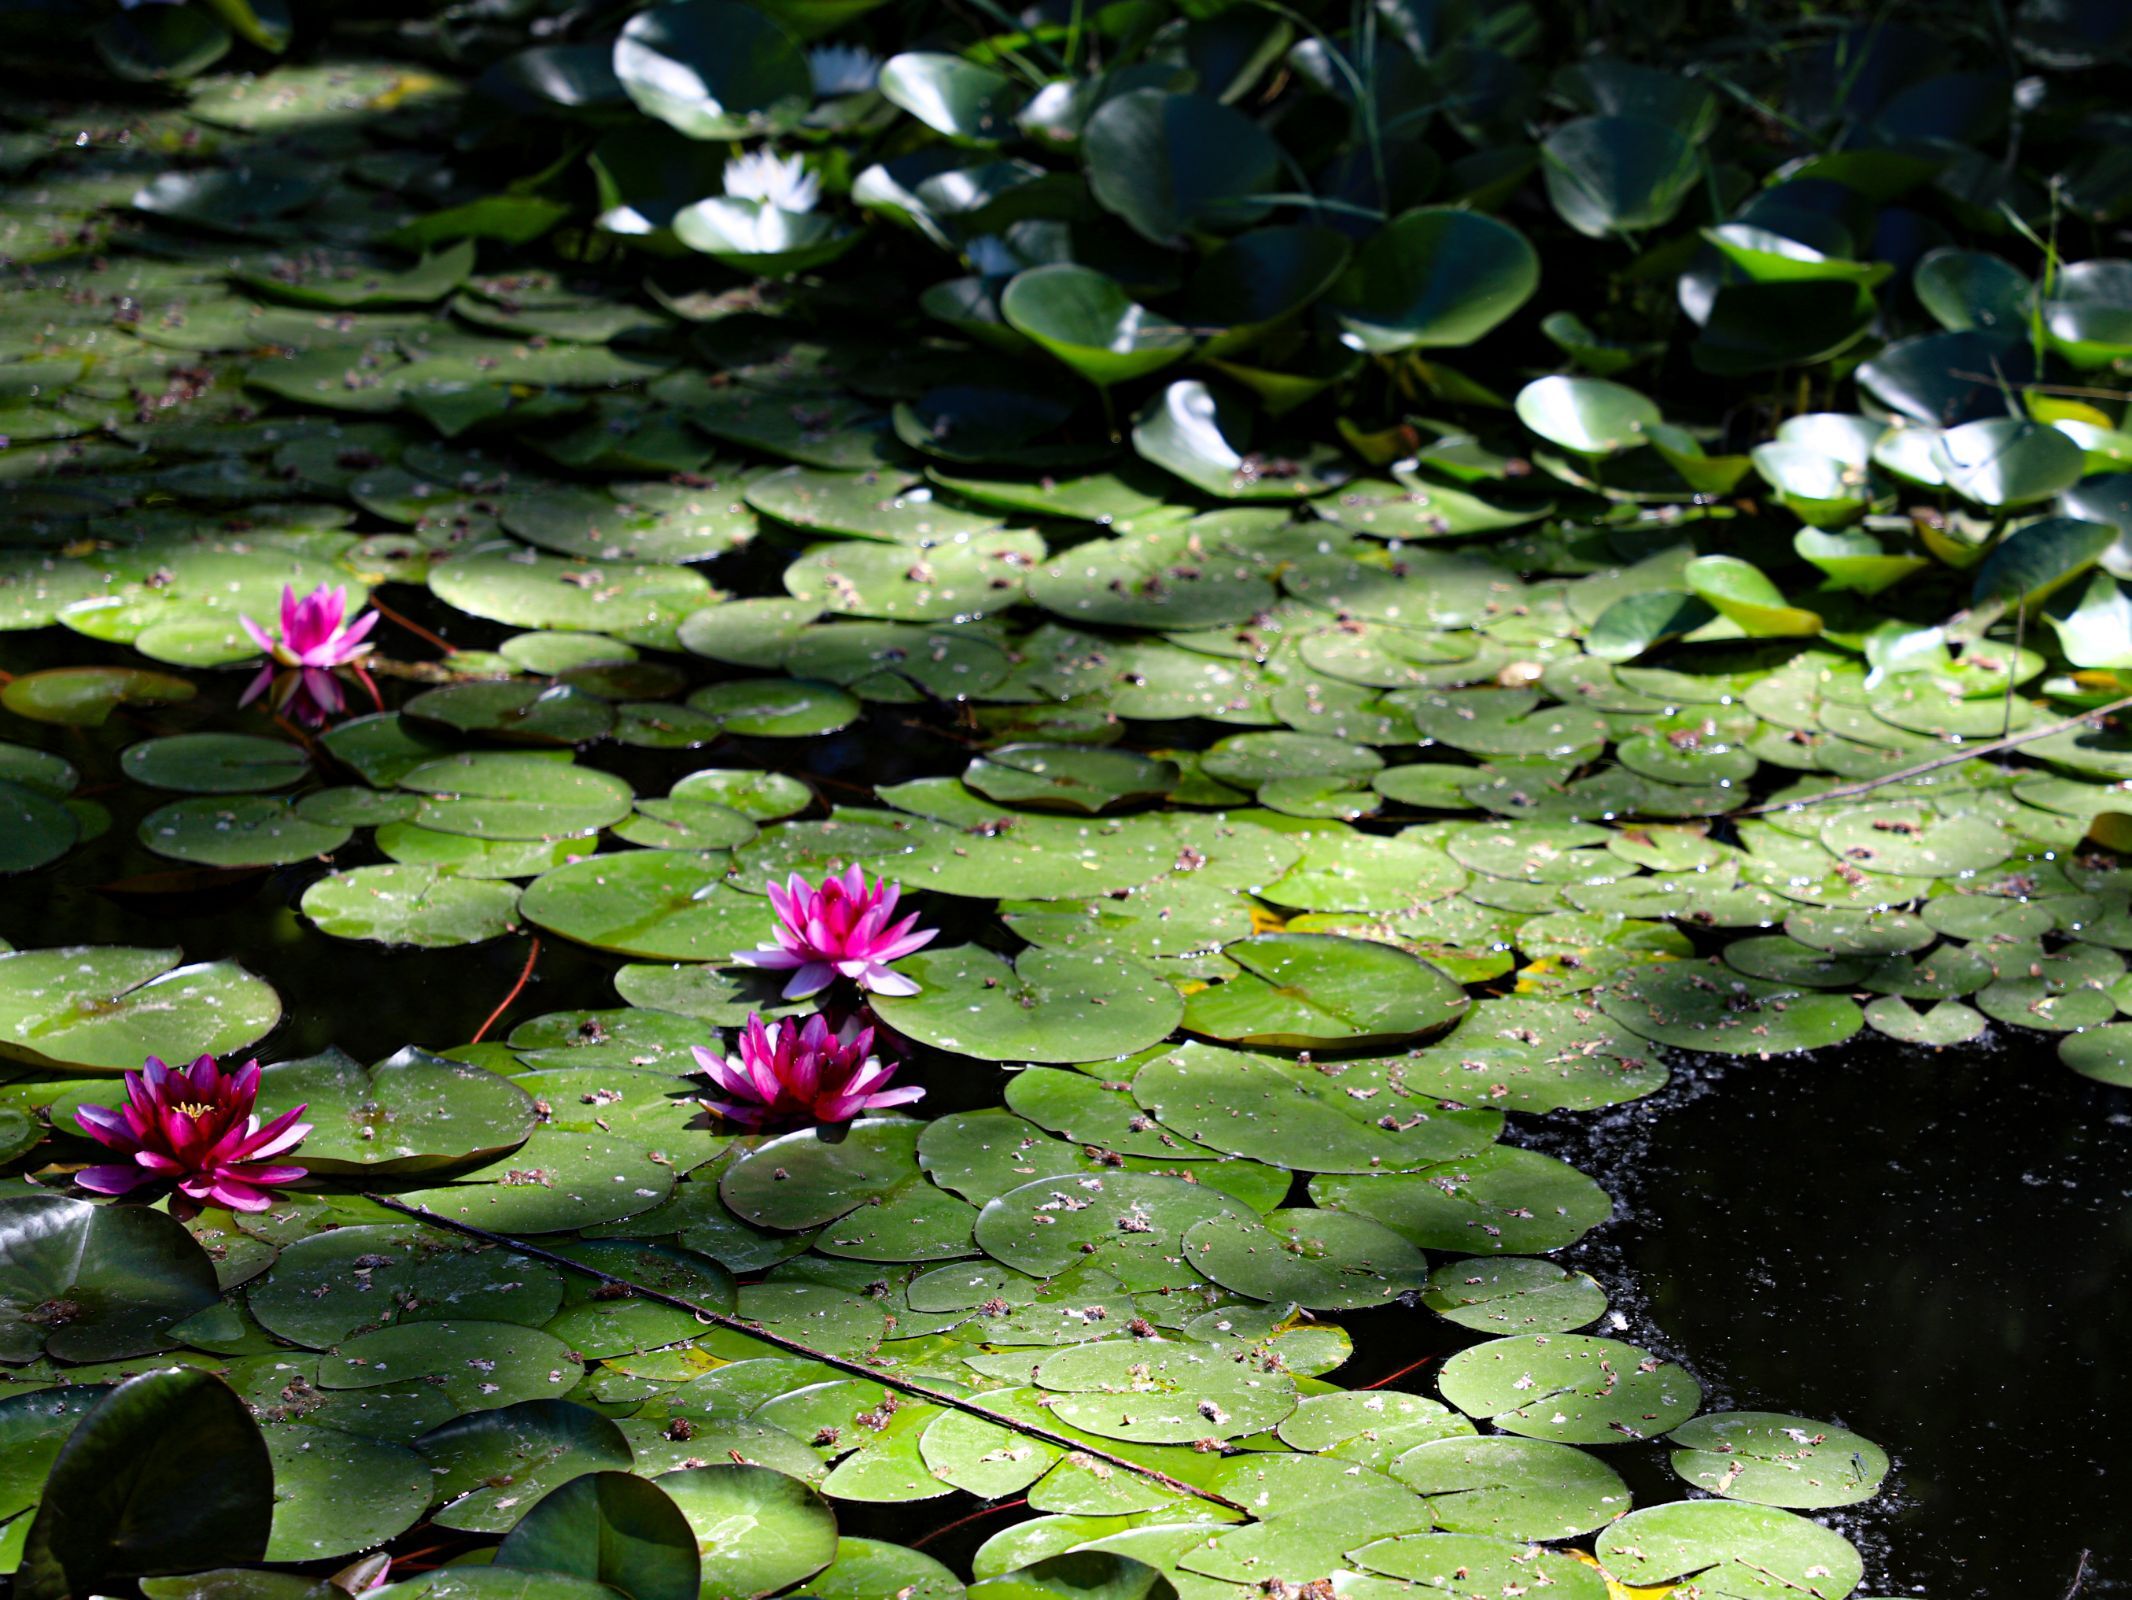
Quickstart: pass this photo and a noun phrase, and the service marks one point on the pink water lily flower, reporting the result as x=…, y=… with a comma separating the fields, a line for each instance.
x=841, y=929
x=315, y=637
x=787, y=1072
x=194, y=1125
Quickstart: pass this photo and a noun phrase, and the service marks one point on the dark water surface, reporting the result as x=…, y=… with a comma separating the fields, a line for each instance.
x=1934, y=1249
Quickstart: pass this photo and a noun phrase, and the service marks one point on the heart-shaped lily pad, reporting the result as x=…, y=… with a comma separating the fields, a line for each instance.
x=1570, y=1388
x=109, y=1007
x=1304, y=991
x=1047, y=1005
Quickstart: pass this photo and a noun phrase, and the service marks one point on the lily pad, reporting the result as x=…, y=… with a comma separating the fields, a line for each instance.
x=1777, y=1460
x=108, y=1007
x=1047, y=1005
x=1737, y=1552
x=411, y=905
x=1570, y=1388
x=1304, y=991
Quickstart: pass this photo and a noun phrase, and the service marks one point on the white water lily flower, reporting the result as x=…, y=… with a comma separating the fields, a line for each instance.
x=780, y=181
x=842, y=69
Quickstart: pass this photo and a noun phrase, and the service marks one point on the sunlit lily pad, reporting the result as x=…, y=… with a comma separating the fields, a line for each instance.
x=1290, y=1115
x=493, y=796
x=1048, y=1005
x=1733, y=1550
x=1513, y=1488
x=1502, y=1201
x=411, y=905
x=1777, y=1460
x=109, y=1007
x=1302, y=991
x=411, y=1113
x=1570, y=1388
x=1514, y=1295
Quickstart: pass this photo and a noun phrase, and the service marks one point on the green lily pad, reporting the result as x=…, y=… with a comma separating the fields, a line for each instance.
x=1775, y=1460
x=413, y=1113
x=1090, y=324
x=1507, y=1295
x=107, y=1516
x=1570, y=1388
x=84, y=1282
x=1435, y=277
x=1155, y=1392
x=108, y=1007
x=215, y=763
x=1322, y=1260
x=639, y=602
x=491, y=1467
x=1503, y=1200
x=411, y=905
x=1289, y=1115
x=776, y=708
x=313, y=1521
x=1127, y=1223
x=887, y=506
x=1047, y=1005
x=561, y=1179
x=1200, y=434
x=609, y=1527
x=491, y=796
x=241, y=831
x=331, y=1286
x=667, y=904
x=1735, y=1551
x=955, y=578
x=1513, y=1488
x=1304, y=991
x=35, y=828
x=1691, y=1006
x=757, y=1530
x=1476, y=1562
x=517, y=713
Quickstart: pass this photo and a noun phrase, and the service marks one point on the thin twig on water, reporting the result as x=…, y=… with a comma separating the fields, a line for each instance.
x=2080, y=1575
x=1867, y=786
x=769, y=1336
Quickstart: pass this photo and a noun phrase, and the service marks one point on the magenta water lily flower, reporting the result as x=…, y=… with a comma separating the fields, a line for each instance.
x=194, y=1125
x=315, y=637
x=841, y=929
x=790, y=1072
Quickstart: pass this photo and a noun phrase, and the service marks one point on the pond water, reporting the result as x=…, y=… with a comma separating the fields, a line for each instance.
x=1934, y=1249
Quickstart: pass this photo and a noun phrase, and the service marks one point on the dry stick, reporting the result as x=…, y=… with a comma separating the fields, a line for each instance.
x=2080, y=1575
x=858, y=1369
x=1848, y=790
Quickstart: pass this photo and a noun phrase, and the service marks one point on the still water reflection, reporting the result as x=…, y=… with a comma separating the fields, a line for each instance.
x=1933, y=1249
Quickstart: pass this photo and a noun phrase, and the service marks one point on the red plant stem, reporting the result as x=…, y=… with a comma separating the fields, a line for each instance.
x=411, y=626
x=950, y=1527
x=525, y=977
x=369, y=684
x=296, y=733
x=1402, y=1372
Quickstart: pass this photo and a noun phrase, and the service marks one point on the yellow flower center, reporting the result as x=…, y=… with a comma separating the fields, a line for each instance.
x=194, y=1108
